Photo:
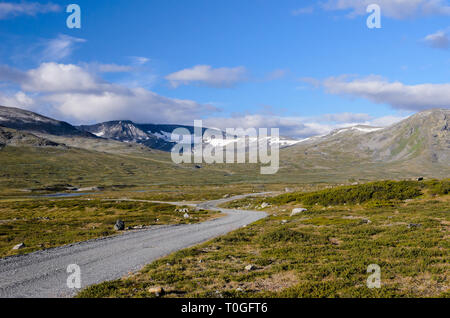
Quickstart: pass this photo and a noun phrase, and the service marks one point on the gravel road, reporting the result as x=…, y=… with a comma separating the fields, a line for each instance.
x=43, y=274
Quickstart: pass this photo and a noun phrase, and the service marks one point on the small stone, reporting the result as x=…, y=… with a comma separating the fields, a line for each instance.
x=186, y=216
x=265, y=205
x=412, y=225
x=298, y=211
x=250, y=267
x=284, y=221
x=120, y=225
x=366, y=221
x=334, y=241
x=157, y=291
x=239, y=290
x=19, y=246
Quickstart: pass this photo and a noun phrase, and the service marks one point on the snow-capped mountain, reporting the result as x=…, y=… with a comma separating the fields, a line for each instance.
x=152, y=136
x=358, y=129
x=160, y=136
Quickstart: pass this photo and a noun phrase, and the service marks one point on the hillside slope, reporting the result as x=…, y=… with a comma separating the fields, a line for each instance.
x=12, y=137
x=127, y=131
x=424, y=136
x=24, y=120
x=417, y=146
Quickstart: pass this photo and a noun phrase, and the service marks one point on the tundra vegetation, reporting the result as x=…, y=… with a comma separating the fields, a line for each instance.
x=46, y=223
x=323, y=252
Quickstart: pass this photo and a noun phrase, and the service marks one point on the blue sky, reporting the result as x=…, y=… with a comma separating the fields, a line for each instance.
x=303, y=66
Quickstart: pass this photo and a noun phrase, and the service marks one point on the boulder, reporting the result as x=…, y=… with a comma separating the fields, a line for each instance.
x=412, y=225
x=120, y=225
x=19, y=246
x=265, y=205
x=186, y=216
x=157, y=291
x=298, y=211
x=250, y=267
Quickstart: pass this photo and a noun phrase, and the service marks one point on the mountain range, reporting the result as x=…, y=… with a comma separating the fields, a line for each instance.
x=416, y=146
x=153, y=136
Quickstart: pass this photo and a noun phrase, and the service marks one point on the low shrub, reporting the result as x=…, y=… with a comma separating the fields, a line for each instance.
x=283, y=235
x=382, y=191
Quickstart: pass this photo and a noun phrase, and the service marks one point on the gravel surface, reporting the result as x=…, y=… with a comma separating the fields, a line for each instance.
x=43, y=274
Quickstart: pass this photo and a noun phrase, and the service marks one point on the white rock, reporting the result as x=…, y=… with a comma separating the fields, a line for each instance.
x=157, y=291
x=186, y=216
x=19, y=246
x=298, y=211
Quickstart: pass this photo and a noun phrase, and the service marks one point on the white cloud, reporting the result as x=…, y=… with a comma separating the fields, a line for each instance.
x=19, y=99
x=438, y=40
x=205, y=74
x=60, y=47
x=53, y=77
x=75, y=94
x=9, y=74
x=139, y=60
x=301, y=127
x=107, y=68
x=397, y=9
x=386, y=121
x=301, y=11
x=347, y=118
x=398, y=95
x=289, y=126
x=276, y=74
x=9, y=10
x=136, y=104
x=309, y=80
x=79, y=96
